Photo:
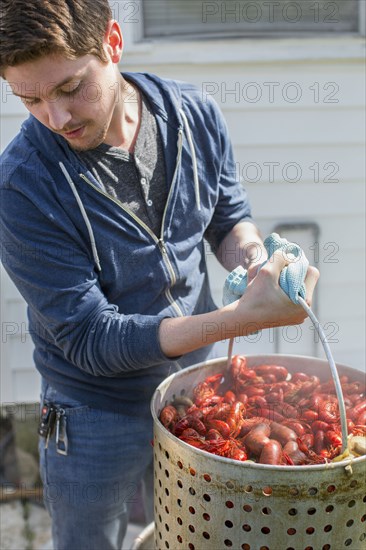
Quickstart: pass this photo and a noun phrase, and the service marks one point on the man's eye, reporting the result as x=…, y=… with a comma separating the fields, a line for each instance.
x=70, y=90
x=30, y=102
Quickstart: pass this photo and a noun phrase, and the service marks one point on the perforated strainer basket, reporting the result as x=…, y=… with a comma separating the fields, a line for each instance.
x=206, y=502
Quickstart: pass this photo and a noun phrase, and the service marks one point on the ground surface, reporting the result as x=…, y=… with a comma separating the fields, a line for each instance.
x=28, y=527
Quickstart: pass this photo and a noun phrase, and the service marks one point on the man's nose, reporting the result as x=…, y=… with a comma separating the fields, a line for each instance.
x=58, y=115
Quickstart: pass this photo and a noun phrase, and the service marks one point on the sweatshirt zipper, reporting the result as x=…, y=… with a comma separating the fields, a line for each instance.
x=160, y=242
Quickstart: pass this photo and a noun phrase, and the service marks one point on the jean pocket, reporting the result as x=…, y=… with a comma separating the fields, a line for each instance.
x=51, y=395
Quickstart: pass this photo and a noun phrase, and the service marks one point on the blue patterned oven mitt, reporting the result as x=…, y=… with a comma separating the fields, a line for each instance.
x=291, y=279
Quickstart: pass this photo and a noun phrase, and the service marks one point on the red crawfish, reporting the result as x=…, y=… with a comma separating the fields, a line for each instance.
x=219, y=425
x=207, y=389
x=241, y=375
x=361, y=419
x=292, y=451
x=262, y=407
x=169, y=416
x=333, y=438
x=192, y=437
x=213, y=434
x=229, y=397
x=311, y=456
x=235, y=418
x=280, y=373
x=226, y=418
x=228, y=448
x=357, y=410
x=189, y=421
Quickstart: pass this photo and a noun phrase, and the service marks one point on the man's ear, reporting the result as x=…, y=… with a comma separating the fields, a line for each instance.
x=113, y=41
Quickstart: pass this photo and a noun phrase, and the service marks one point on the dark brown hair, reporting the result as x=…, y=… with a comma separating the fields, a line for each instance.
x=30, y=29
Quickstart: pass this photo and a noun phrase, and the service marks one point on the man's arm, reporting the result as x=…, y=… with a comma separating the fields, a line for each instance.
x=263, y=305
x=53, y=269
x=242, y=246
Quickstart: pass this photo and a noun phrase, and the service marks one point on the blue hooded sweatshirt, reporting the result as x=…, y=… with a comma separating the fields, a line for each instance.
x=96, y=279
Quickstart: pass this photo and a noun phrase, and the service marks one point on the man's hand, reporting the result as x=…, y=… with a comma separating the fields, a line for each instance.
x=265, y=303
x=253, y=269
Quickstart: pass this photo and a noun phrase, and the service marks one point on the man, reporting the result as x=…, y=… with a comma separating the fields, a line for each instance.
x=107, y=194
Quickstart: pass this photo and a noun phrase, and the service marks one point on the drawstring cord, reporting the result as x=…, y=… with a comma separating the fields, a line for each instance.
x=194, y=159
x=84, y=215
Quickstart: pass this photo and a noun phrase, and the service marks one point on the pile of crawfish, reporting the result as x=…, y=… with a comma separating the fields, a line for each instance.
x=266, y=415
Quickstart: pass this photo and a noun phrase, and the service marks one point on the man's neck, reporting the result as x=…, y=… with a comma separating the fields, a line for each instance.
x=126, y=120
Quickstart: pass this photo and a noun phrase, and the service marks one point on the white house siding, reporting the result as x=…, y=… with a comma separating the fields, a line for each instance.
x=315, y=115
x=304, y=132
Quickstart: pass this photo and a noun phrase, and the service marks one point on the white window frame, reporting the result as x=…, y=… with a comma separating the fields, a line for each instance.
x=139, y=50
x=248, y=33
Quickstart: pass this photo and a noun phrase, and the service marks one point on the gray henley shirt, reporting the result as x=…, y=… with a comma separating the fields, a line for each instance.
x=137, y=180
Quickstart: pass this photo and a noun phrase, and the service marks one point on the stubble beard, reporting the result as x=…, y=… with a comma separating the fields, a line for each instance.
x=96, y=140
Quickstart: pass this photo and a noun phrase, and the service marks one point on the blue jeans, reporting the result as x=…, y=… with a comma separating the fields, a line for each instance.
x=89, y=491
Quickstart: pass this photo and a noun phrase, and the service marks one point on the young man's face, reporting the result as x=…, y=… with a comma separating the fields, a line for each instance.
x=74, y=98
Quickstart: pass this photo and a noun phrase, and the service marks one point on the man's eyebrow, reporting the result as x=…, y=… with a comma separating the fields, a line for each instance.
x=59, y=85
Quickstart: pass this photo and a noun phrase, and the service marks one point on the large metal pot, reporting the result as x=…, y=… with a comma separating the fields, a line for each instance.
x=203, y=501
